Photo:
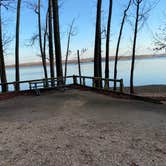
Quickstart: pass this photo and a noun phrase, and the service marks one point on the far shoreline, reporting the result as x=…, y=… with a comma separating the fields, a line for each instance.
x=87, y=60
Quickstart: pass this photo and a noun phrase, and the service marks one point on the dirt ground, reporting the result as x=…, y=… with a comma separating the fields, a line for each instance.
x=149, y=91
x=78, y=128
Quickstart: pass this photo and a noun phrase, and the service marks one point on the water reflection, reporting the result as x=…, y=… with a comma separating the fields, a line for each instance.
x=147, y=71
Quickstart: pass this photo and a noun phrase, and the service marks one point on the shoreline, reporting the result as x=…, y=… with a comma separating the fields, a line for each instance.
x=150, y=87
x=157, y=92
x=88, y=60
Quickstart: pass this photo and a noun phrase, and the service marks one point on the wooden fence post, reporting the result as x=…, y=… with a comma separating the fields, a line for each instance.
x=94, y=82
x=84, y=81
x=30, y=86
x=79, y=65
x=99, y=82
x=74, y=80
x=106, y=84
x=121, y=85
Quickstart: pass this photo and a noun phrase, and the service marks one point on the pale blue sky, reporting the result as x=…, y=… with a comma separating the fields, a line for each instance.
x=84, y=12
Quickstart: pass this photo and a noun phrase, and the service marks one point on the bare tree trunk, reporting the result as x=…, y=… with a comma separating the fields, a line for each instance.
x=57, y=41
x=44, y=46
x=79, y=65
x=97, y=49
x=51, y=54
x=68, y=48
x=45, y=35
x=108, y=41
x=118, y=43
x=40, y=43
x=134, y=48
x=2, y=62
x=17, y=69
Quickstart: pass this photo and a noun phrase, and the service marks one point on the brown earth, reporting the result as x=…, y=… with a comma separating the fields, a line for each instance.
x=154, y=91
x=78, y=128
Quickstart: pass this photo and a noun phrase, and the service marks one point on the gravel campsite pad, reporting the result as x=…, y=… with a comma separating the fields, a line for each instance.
x=77, y=128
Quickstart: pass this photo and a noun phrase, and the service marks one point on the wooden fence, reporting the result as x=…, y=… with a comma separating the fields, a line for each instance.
x=106, y=83
x=71, y=80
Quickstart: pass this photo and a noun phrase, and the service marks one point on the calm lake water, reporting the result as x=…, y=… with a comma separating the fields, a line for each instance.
x=147, y=71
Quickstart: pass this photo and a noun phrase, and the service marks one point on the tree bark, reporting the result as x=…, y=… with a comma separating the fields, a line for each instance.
x=51, y=54
x=40, y=43
x=45, y=35
x=17, y=69
x=134, y=48
x=57, y=41
x=118, y=43
x=2, y=61
x=68, y=48
x=97, y=49
x=108, y=41
x=79, y=65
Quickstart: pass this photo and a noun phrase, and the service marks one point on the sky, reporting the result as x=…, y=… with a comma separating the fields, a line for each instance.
x=84, y=13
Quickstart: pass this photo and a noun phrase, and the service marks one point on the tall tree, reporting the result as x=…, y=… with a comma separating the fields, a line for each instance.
x=70, y=33
x=36, y=7
x=79, y=65
x=2, y=61
x=17, y=87
x=40, y=41
x=137, y=4
x=57, y=41
x=97, y=49
x=45, y=34
x=108, y=41
x=119, y=40
x=142, y=10
x=50, y=40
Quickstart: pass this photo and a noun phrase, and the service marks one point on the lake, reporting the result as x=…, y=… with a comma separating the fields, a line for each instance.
x=147, y=71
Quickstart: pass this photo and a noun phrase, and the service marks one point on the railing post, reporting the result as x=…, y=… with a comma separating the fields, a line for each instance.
x=74, y=80
x=44, y=83
x=94, y=82
x=30, y=86
x=14, y=85
x=35, y=85
x=60, y=81
x=80, y=80
x=84, y=81
x=106, y=84
x=52, y=82
x=114, y=85
x=99, y=82
x=121, y=85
